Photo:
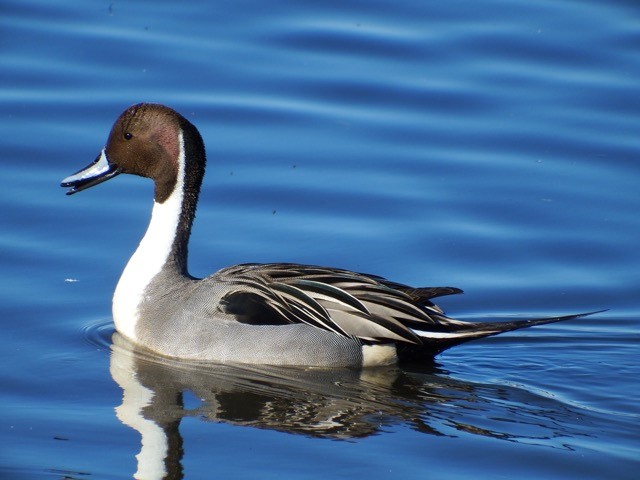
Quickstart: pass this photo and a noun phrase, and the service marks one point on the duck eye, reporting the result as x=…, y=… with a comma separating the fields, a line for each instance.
x=128, y=136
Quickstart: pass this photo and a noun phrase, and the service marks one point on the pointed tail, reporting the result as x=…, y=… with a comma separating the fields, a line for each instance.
x=435, y=342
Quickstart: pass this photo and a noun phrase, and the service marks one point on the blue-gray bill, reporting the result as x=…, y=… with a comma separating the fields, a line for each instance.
x=96, y=172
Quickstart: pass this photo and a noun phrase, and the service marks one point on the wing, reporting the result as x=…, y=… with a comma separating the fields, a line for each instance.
x=356, y=305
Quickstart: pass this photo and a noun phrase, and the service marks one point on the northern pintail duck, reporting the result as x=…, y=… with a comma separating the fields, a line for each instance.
x=278, y=314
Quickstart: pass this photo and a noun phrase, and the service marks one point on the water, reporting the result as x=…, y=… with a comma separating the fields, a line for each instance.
x=491, y=146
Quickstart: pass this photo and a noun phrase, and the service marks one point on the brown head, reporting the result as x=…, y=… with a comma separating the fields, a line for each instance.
x=147, y=140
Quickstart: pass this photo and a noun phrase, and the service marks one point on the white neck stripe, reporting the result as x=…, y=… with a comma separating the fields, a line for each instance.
x=150, y=256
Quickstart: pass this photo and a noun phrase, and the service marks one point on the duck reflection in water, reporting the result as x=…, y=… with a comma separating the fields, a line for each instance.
x=335, y=404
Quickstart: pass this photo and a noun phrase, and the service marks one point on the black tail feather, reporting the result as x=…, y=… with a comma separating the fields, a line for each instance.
x=495, y=328
x=462, y=332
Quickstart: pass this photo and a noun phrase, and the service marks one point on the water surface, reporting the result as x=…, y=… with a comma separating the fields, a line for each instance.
x=491, y=146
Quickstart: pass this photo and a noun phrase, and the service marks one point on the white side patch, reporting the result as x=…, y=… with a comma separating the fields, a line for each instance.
x=379, y=355
x=149, y=257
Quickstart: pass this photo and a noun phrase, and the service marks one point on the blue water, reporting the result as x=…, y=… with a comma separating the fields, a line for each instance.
x=493, y=146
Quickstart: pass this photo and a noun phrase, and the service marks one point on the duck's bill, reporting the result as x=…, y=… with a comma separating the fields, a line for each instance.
x=96, y=172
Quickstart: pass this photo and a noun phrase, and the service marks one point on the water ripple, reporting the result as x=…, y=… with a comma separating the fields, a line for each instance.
x=99, y=333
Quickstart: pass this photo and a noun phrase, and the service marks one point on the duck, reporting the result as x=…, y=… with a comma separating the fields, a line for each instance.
x=284, y=314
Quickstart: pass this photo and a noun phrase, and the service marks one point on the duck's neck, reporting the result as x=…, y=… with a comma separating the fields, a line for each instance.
x=164, y=246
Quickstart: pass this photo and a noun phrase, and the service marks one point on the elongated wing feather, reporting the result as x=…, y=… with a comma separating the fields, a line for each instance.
x=365, y=307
